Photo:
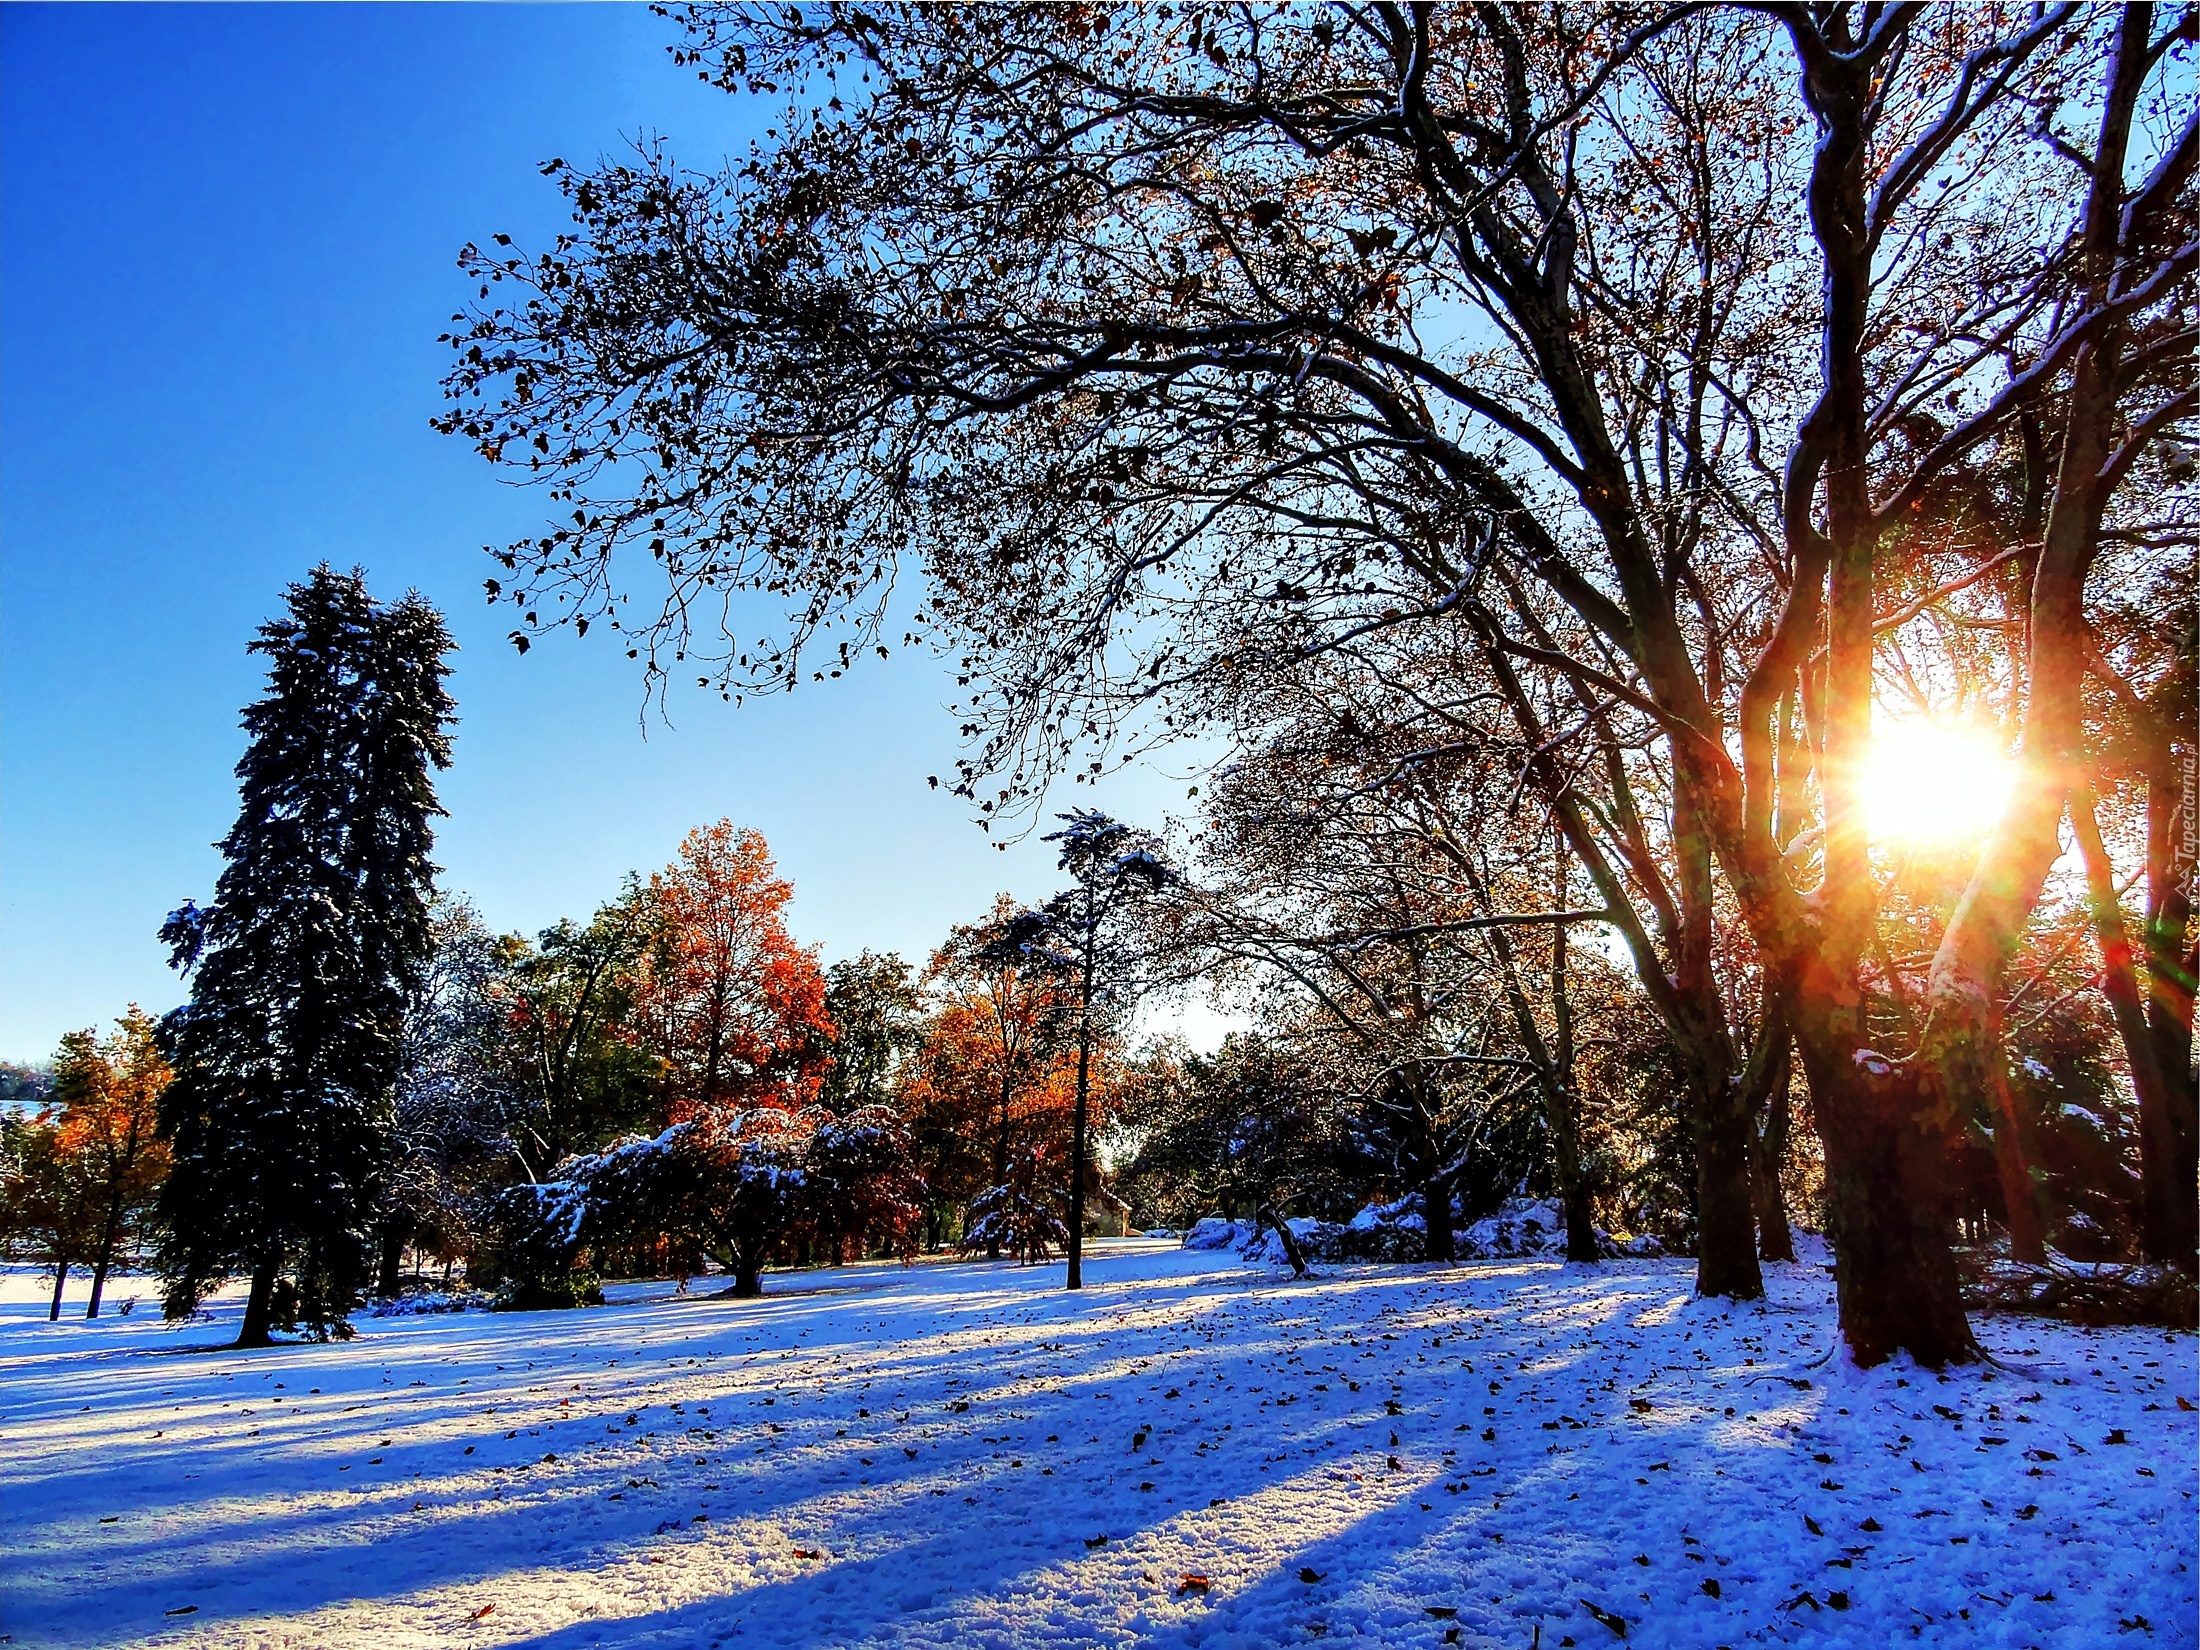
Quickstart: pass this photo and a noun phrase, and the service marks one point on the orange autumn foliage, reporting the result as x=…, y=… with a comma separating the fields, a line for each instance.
x=730, y=1004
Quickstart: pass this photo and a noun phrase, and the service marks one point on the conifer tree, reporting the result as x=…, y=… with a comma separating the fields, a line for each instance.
x=302, y=966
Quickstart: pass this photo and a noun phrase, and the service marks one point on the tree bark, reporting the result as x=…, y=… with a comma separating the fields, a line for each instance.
x=1573, y=1190
x=1000, y=1142
x=2171, y=967
x=60, y=1277
x=748, y=1278
x=259, y=1308
x=1726, y=1220
x=1076, y=1277
x=1775, y=1237
x=1961, y=1044
x=1886, y=1200
x=1765, y=1089
x=2165, y=1204
x=390, y=1273
x=105, y=1257
x=1291, y=1250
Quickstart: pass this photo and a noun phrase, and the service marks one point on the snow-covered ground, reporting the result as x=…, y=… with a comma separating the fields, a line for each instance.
x=962, y=1454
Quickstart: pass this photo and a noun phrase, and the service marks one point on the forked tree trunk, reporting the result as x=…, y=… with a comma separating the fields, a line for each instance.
x=259, y=1308
x=1961, y=1046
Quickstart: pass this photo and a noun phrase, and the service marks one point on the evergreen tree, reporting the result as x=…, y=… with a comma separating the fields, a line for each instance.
x=303, y=965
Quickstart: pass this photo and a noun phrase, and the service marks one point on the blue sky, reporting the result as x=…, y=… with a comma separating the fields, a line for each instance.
x=226, y=250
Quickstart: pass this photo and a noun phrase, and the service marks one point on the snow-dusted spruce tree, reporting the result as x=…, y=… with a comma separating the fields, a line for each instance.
x=1085, y=933
x=302, y=966
x=1021, y=1215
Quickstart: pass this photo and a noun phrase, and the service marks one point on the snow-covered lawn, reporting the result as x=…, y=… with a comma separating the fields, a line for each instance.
x=961, y=1454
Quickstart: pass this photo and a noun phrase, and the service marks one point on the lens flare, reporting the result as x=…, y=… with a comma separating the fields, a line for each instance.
x=1933, y=784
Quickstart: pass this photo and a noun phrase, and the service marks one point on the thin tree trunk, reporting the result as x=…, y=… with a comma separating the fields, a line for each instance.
x=1291, y=1250
x=1775, y=1237
x=1076, y=1279
x=60, y=1277
x=2164, y=1225
x=1000, y=1144
x=1573, y=1190
x=259, y=1307
x=105, y=1258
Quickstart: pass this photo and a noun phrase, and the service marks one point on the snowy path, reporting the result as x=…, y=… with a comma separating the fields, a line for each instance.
x=1414, y=1456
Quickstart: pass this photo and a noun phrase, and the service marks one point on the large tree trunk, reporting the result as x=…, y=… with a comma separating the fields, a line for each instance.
x=1721, y=1115
x=390, y=1273
x=748, y=1274
x=60, y=1277
x=2165, y=1215
x=2171, y=967
x=259, y=1309
x=1886, y=1201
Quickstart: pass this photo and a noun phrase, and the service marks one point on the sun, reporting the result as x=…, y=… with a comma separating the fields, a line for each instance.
x=1933, y=784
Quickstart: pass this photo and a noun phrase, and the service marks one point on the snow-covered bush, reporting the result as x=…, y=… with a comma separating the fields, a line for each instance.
x=1522, y=1228
x=428, y=1302
x=535, y=1237
x=1216, y=1233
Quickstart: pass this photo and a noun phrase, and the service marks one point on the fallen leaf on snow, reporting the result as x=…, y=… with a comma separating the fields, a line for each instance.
x=1618, y=1624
